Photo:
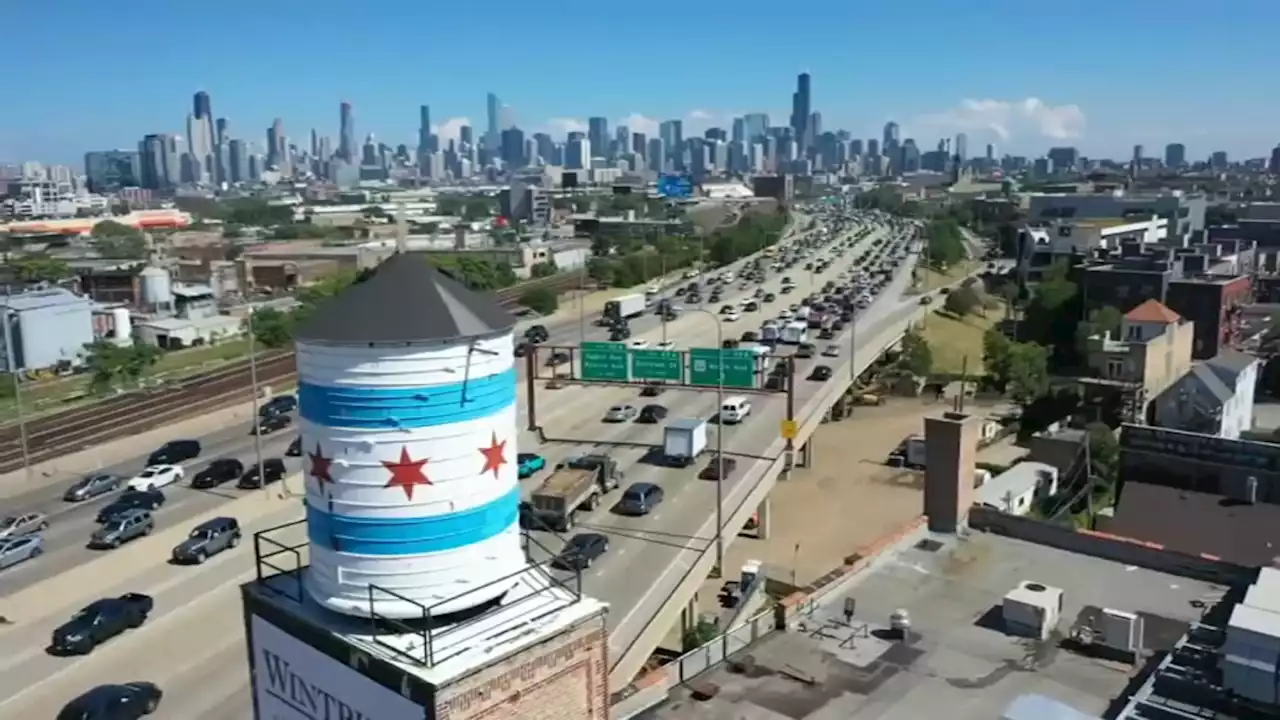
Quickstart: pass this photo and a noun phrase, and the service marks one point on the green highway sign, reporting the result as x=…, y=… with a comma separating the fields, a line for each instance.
x=739, y=367
x=605, y=361
x=657, y=365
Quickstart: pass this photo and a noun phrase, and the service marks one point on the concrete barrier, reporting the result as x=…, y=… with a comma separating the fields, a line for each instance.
x=74, y=587
x=1130, y=551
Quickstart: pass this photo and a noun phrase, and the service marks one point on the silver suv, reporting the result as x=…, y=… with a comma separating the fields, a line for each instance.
x=122, y=528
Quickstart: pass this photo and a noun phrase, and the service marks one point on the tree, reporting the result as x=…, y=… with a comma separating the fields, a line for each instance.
x=116, y=240
x=1028, y=372
x=1102, y=321
x=544, y=269
x=996, y=350
x=962, y=301
x=917, y=356
x=113, y=366
x=40, y=268
x=271, y=328
x=540, y=300
x=232, y=231
x=1104, y=451
x=945, y=241
x=374, y=211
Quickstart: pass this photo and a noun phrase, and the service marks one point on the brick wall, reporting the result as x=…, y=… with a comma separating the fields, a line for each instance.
x=564, y=678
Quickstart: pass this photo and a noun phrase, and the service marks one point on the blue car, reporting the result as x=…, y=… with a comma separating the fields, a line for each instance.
x=530, y=463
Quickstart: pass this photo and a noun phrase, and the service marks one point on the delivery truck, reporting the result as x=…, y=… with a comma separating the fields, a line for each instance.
x=795, y=332
x=624, y=307
x=683, y=441
x=577, y=484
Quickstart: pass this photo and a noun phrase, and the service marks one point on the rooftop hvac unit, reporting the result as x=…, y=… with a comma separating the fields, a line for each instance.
x=1032, y=610
x=1117, y=630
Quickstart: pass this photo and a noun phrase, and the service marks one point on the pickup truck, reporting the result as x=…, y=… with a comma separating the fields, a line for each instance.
x=577, y=484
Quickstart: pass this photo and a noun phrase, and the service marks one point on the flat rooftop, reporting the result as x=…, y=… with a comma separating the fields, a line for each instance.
x=956, y=662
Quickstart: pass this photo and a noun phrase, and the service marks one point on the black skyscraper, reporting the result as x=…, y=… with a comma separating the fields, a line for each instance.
x=800, y=110
x=201, y=106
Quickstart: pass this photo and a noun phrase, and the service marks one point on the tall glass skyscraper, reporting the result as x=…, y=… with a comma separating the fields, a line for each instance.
x=346, y=133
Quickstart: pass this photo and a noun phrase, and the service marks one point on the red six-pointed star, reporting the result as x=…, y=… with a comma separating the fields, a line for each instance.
x=320, y=465
x=407, y=472
x=494, y=457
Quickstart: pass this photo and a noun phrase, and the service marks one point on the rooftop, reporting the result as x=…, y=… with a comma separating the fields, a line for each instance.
x=1198, y=522
x=406, y=299
x=1152, y=311
x=955, y=662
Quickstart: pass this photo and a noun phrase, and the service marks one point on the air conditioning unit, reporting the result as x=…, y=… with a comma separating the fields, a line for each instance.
x=1032, y=610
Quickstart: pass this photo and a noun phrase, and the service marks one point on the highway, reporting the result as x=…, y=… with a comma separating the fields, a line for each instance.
x=200, y=660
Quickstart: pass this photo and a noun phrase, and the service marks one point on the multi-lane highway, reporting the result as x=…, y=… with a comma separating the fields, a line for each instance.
x=193, y=645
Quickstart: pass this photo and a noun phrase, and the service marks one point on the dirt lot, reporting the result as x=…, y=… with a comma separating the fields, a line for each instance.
x=955, y=340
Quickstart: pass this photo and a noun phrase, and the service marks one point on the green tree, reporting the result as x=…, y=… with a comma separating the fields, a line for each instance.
x=116, y=240
x=963, y=301
x=1102, y=321
x=540, y=300
x=1028, y=372
x=374, y=212
x=917, y=356
x=1104, y=452
x=945, y=242
x=112, y=366
x=544, y=269
x=256, y=212
x=996, y=352
x=232, y=231
x=40, y=268
x=271, y=328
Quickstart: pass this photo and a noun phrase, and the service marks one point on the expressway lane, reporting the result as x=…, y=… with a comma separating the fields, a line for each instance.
x=72, y=523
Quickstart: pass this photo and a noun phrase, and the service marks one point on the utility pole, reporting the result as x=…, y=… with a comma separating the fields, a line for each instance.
x=253, y=391
x=582, y=308
x=22, y=423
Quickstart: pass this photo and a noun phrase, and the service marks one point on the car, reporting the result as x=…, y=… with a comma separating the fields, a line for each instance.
x=28, y=523
x=155, y=476
x=174, y=452
x=620, y=413
x=831, y=351
x=652, y=389
x=926, y=299
x=128, y=525
x=279, y=405
x=208, y=538
x=99, y=621
x=529, y=464
x=712, y=470
x=619, y=333
x=820, y=372
x=20, y=549
x=733, y=317
x=125, y=701
x=650, y=414
x=268, y=424
x=581, y=551
x=666, y=345
x=273, y=470
x=639, y=499
x=806, y=350
x=770, y=297
x=784, y=314
x=749, y=336
x=131, y=500
x=639, y=344
x=295, y=448
x=92, y=486
x=558, y=357
x=537, y=334
x=219, y=471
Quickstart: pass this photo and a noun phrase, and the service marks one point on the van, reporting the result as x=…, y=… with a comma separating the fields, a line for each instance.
x=735, y=410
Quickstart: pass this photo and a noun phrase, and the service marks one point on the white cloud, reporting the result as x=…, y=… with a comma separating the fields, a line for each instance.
x=700, y=115
x=562, y=126
x=638, y=123
x=449, y=129
x=1006, y=119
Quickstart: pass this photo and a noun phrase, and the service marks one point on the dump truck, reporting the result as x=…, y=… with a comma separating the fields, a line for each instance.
x=577, y=484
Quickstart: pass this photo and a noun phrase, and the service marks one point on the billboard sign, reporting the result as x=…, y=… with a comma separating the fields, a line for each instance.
x=675, y=186
x=294, y=681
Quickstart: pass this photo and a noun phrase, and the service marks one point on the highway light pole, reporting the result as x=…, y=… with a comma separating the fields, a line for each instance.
x=253, y=391
x=719, y=440
x=582, y=308
x=16, y=373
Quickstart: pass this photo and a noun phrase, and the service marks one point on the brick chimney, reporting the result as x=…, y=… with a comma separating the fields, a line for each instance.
x=951, y=449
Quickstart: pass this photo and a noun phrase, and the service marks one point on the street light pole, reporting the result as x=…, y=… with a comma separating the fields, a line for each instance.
x=253, y=391
x=22, y=425
x=582, y=308
x=719, y=439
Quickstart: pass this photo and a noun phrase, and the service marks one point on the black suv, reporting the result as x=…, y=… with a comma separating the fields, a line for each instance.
x=537, y=334
x=131, y=500
x=175, y=452
x=208, y=538
x=219, y=471
x=273, y=469
x=268, y=424
x=279, y=405
x=126, y=701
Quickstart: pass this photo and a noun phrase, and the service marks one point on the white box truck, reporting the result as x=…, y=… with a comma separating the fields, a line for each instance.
x=683, y=441
x=795, y=332
x=624, y=307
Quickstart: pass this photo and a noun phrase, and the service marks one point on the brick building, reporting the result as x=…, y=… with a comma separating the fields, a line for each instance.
x=1216, y=306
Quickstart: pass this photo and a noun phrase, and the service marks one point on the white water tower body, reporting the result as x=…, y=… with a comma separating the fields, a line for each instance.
x=121, y=325
x=407, y=394
x=157, y=287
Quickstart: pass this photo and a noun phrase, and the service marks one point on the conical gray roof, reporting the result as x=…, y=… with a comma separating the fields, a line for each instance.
x=405, y=300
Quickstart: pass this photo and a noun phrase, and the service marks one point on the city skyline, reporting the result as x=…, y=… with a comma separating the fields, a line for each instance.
x=967, y=79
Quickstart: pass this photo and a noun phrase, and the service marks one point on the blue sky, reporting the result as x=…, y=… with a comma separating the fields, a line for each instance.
x=1104, y=74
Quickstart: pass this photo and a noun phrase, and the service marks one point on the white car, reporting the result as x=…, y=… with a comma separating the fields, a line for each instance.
x=667, y=345
x=734, y=316
x=784, y=314
x=638, y=344
x=831, y=351
x=155, y=476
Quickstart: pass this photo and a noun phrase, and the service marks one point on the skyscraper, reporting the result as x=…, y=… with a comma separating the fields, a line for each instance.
x=962, y=148
x=598, y=135
x=426, y=141
x=346, y=133
x=1175, y=155
x=800, y=110
x=890, y=134
x=671, y=133
x=201, y=143
x=757, y=125
x=493, y=110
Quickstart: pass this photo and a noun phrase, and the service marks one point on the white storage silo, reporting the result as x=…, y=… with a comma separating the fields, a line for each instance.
x=407, y=394
x=157, y=287
x=121, y=325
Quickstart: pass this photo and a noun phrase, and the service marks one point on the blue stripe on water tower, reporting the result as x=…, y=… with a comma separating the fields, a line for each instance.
x=381, y=536
x=369, y=408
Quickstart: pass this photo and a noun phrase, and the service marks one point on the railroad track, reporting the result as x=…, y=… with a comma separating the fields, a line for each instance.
x=69, y=431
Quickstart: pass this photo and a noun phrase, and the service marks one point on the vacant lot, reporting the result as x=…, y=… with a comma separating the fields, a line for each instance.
x=954, y=339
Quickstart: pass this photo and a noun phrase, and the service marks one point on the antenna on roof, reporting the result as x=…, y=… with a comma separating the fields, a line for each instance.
x=402, y=230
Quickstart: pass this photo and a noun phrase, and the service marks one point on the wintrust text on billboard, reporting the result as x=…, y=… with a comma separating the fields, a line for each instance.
x=294, y=681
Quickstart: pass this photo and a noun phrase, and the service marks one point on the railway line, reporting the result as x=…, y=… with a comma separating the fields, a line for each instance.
x=69, y=431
